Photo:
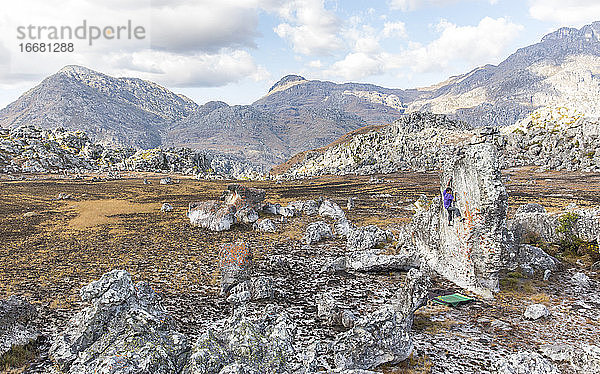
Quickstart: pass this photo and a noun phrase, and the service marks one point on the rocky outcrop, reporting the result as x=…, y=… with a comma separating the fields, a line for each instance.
x=367, y=237
x=317, y=231
x=16, y=323
x=584, y=358
x=213, y=215
x=245, y=345
x=332, y=312
x=536, y=311
x=525, y=363
x=383, y=337
x=473, y=251
x=264, y=225
x=552, y=228
x=536, y=258
x=123, y=329
x=375, y=261
x=331, y=210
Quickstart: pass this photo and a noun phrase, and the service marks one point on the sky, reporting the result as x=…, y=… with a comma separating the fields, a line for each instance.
x=235, y=50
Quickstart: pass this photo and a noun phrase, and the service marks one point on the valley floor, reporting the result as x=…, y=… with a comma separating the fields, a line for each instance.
x=51, y=248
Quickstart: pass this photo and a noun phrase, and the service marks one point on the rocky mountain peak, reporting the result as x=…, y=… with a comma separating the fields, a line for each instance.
x=286, y=82
x=587, y=33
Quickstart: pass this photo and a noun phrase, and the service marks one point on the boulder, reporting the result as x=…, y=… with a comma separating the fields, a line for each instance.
x=330, y=209
x=535, y=258
x=343, y=227
x=367, y=237
x=374, y=261
x=524, y=363
x=472, y=252
x=350, y=204
x=383, y=337
x=235, y=260
x=310, y=207
x=264, y=225
x=124, y=328
x=16, y=323
x=64, y=196
x=583, y=358
x=245, y=345
x=317, y=231
x=259, y=288
x=213, y=215
x=581, y=280
x=167, y=180
x=166, y=207
x=536, y=311
x=242, y=196
x=246, y=215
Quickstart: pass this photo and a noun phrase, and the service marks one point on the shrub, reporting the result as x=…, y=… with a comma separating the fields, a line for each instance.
x=569, y=241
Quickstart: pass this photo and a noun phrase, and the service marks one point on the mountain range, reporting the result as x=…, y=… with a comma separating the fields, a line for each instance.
x=297, y=114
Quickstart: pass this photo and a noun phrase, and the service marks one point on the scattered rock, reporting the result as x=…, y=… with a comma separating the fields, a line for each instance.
x=213, y=215
x=581, y=280
x=595, y=266
x=330, y=209
x=547, y=274
x=317, y=231
x=166, y=180
x=146, y=181
x=584, y=358
x=383, y=337
x=246, y=215
x=367, y=237
x=259, y=288
x=123, y=329
x=343, y=227
x=350, y=204
x=536, y=258
x=166, y=207
x=242, y=196
x=536, y=311
x=245, y=345
x=525, y=363
x=30, y=214
x=16, y=323
x=530, y=208
x=64, y=196
x=264, y=225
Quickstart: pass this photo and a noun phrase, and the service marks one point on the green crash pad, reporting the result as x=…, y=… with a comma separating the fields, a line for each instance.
x=454, y=299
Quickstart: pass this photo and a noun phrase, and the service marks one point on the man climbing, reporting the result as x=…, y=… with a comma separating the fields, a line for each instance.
x=448, y=203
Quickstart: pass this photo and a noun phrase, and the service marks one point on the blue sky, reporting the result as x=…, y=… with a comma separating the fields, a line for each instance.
x=234, y=50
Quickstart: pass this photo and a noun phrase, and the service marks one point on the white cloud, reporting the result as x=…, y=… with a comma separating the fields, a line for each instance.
x=315, y=64
x=391, y=29
x=410, y=5
x=456, y=45
x=565, y=12
x=310, y=28
x=357, y=65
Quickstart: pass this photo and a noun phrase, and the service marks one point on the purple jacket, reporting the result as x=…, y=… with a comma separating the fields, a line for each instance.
x=448, y=200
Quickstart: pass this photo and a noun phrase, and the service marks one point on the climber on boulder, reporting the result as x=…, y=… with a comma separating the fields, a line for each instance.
x=448, y=205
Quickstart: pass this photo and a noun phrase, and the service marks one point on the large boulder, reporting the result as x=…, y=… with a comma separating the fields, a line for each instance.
x=524, y=363
x=213, y=215
x=535, y=258
x=383, y=337
x=246, y=215
x=330, y=209
x=470, y=253
x=16, y=323
x=374, y=261
x=366, y=237
x=242, y=196
x=264, y=225
x=245, y=345
x=124, y=329
x=317, y=231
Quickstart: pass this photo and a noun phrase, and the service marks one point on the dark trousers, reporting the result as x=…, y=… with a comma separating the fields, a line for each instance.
x=451, y=212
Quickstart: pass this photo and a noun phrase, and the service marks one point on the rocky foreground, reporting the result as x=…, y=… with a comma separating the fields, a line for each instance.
x=342, y=295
